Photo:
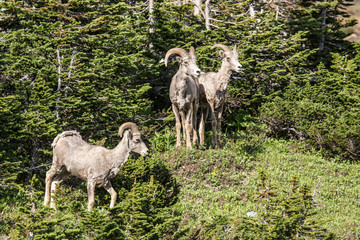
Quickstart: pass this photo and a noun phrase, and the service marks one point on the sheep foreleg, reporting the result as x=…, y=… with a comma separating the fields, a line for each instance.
x=189, y=126
x=91, y=194
x=218, y=124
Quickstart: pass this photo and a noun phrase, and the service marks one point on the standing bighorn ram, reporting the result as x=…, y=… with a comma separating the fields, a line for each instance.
x=213, y=92
x=92, y=163
x=184, y=94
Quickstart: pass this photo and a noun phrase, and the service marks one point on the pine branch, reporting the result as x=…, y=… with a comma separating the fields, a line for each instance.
x=216, y=20
x=139, y=6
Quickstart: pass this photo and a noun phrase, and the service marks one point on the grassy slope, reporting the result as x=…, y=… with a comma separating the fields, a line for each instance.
x=223, y=181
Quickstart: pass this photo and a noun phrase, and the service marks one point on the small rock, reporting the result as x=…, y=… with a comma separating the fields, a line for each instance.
x=251, y=214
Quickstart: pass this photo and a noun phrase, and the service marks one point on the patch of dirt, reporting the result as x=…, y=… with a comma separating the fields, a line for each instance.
x=188, y=169
x=242, y=196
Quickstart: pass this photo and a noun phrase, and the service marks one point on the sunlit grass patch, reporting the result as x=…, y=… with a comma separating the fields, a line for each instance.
x=223, y=182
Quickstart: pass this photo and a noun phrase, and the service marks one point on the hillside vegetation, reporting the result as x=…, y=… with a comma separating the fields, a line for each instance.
x=254, y=188
x=288, y=167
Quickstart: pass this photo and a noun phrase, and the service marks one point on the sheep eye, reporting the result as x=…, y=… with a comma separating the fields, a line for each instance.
x=136, y=140
x=228, y=59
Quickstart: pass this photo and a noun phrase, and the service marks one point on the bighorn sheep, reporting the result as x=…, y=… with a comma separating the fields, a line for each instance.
x=93, y=163
x=213, y=92
x=184, y=94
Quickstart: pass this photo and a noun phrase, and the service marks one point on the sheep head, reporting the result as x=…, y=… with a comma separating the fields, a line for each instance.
x=133, y=136
x=229, y=57
x=187, y=60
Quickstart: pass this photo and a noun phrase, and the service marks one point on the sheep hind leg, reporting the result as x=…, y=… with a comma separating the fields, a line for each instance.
x=112, y=192
x=194, y=120
x=178, y=126
x=213, y=124
x=48, y=180
x=203, y=116
x=54, y=185
x=183, y=124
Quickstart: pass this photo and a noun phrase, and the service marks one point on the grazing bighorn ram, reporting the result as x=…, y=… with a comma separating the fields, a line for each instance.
x=93, y=163
x=213, y=92
x=184, y=94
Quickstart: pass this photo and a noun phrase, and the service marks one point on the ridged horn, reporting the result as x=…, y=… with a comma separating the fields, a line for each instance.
x=178, y=51
x=128, y=125
x=224, y=47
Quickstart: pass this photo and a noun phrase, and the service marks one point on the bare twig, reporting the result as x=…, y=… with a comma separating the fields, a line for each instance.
x=213, y=25
x=32, y=168
x=69, y=73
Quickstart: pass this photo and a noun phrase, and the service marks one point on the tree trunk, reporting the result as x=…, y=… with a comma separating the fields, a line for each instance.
x=33, y=159
x=197, y=7
x=59, y=85
x=207, y=15
x=277, y=10
x=322, y=28
x=251, y=10
x=151, y=16
x=69, y=74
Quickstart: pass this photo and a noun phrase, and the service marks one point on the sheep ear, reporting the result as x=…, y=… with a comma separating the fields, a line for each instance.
x=127, y=134
x=178, y=58
x=235, y=52
x=130, y=135
x=222, y=54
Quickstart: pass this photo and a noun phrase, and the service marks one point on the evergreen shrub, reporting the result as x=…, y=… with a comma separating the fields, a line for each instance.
x=324, y=112
x=285, y=214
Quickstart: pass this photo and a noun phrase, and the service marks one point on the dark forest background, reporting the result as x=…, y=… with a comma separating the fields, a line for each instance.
x=91, y=65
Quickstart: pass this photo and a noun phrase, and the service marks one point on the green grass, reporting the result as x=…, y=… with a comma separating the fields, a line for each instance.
x=223, y=182
x=336, y=186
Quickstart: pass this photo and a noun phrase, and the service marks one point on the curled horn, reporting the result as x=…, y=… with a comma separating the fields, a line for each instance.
x=128, y=125
x=172, y=51
x=224, y=47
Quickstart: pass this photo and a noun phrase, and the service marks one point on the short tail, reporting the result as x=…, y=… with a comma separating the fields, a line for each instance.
x=65, y=134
